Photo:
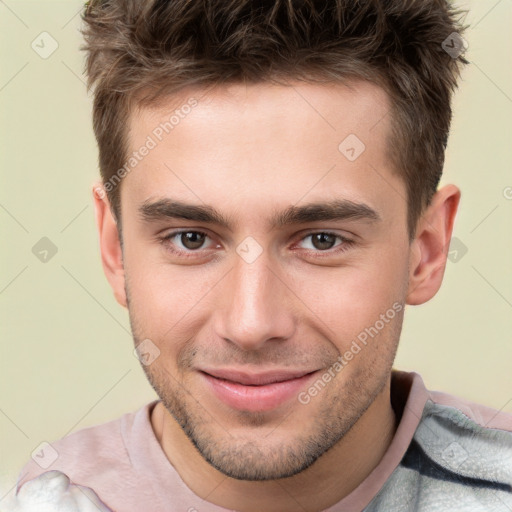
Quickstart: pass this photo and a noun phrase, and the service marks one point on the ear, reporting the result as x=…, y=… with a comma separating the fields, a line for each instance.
x=110, y=246
x=429, y=249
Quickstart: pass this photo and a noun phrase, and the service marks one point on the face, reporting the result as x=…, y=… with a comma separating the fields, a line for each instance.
x=266, y=261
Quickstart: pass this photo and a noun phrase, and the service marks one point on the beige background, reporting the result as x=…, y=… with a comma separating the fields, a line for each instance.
x=66, y=353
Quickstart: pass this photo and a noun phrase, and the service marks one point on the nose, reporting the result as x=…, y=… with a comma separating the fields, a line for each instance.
x=257, y=305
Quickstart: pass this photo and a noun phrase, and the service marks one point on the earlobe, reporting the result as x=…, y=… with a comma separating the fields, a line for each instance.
x=429, y=249
x=110, y=245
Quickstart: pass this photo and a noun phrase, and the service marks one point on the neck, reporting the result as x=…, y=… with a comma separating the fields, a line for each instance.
x=331, y=478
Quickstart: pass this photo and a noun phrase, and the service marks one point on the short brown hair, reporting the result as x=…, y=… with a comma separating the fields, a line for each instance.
x=144, y=50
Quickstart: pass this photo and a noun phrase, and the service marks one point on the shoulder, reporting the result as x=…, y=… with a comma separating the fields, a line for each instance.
x=88, y=454
x=468, y=430
x=471, y=439
x=459, y=456
x=463, y=449
x=478, y=414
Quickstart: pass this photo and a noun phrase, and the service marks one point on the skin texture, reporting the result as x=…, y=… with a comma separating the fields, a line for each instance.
x=249, y=152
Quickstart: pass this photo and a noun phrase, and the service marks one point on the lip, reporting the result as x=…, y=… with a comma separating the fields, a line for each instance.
x=255, y=392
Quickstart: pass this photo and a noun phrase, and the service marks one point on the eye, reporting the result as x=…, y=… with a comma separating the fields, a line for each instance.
x=324, y=241
x=185, y=241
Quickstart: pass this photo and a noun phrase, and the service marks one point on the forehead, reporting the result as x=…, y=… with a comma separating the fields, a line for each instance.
x=263, y=107
x=255, y=141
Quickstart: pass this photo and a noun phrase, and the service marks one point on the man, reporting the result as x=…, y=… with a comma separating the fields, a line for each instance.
x=269, y=204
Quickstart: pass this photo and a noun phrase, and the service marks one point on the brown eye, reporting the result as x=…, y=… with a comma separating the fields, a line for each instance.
x=192, y=239
x=325, y=244
x=323, y=241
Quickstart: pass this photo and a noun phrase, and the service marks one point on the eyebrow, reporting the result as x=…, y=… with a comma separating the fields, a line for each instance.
x=339, y=209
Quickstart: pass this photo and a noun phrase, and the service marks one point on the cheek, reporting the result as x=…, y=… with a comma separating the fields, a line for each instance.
x=345, y=301
x=158, y=312
x=165, y=299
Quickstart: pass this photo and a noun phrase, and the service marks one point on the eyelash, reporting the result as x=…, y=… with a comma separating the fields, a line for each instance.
x=345, y=244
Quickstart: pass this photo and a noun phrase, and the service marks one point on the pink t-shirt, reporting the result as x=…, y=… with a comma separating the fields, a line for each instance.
x=123, y=462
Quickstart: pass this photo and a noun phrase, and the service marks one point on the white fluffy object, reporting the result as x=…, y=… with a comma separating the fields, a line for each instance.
x=53, y=492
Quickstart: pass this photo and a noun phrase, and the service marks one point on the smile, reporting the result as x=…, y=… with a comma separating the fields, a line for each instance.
x=256, y=392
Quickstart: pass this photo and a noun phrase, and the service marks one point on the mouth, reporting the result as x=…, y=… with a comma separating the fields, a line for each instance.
x=256, y=392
